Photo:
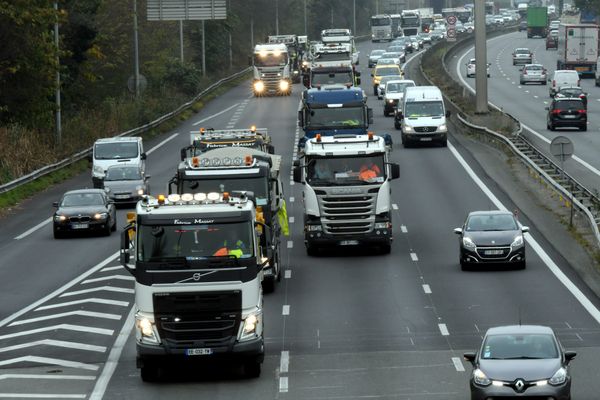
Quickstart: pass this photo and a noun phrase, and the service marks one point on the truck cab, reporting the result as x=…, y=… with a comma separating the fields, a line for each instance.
x=272, y=70
x=197, y=265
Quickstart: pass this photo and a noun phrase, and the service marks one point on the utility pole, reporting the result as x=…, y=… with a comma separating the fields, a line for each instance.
x=481, y=96
x=203, y=50
x=305, y=20
x=136, y=51
x=354, y=17
x=277, y=17
x=181, y=40
x=58, y=126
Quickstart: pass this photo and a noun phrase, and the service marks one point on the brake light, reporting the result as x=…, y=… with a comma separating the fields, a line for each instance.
x=555, y=112
x=582, y=96
x=524, y=72
x=582, y=111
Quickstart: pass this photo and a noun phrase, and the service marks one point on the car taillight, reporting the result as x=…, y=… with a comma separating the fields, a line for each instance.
x=524, y=72
x=555, y=112
x=582, y=96
x=582, y=111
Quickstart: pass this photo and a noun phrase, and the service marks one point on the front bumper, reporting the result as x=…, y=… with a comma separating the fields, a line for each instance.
x=568, y=123
x=546, y=392
x=471, y=257
x=323, y=239
x=125, y=199
x=425, y=137
x=541, y=79
x=88, y=226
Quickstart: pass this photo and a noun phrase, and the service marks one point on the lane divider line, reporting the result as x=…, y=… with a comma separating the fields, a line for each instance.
x=215, y=115
x=285, y=310
x=427, y=289
x=403, y=229
x=287, y=274
x=443, y=329
x=413, y=257
x=283, y=384
x=458, y=365
x=290, y=244
x=284, y=363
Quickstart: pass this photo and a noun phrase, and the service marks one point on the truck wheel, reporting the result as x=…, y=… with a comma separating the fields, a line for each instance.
x=269, y=284
x=444, y=142
x=150, y=373
x=252, y=369
x=385, y=248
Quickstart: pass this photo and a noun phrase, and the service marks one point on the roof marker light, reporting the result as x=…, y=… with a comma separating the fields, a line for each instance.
x=187, y=197
x=213, y=196
x=318, y=137
x=200, y=196
x=195, y=162
x=225, y=196
x=370, y=135
x=161, y=199
x=248, y=160
x=202, y=131
x=253, y=128
x=174, y=198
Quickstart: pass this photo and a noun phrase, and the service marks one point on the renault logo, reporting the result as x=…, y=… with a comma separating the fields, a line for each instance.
x=519, y=385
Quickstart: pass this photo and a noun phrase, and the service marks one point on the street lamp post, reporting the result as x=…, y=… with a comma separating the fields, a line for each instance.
x=277, y=17
x=305, y=20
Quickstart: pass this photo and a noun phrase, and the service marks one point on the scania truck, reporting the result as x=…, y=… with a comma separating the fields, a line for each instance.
x=197, y=265
x=346, y=191
x=272, y=69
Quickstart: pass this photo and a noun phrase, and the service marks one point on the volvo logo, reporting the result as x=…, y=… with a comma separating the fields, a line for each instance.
x=519, y=385
x=196, y=276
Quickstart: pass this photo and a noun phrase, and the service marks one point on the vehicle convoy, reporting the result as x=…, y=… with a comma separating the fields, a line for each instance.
x=107, y=152
x=577, y=48
x=346, y=191
x=294, y=49
x=537, y=21
x=334, y=111
x=198, y=268
x=381, y=28
x=272, y=70
x=229, y=169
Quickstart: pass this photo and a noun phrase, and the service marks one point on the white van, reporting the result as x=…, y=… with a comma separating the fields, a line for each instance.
x=116, y=151
x=563, y=77
x=423, y=116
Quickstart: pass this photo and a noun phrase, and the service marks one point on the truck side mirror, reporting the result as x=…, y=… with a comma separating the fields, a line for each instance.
x=55, y=204
x=173, y=182
x=395, y=170
x=301, y=119
x=124, y=253
x=250, y=60
x=358, y=81
x=183, y=153
x=298, y=174
x=370, y=115
x=143, y=156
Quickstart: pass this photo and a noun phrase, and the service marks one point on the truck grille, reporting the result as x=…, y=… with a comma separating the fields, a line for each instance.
x=348, y=214
x=271, y=79
x=188, y=320
x=424, y=129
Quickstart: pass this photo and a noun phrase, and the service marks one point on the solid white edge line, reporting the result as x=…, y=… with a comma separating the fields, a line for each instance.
x=56, y=343
x=214, y=115
x=61, y=289
x=571, y=287
x=443, y=329
x=40, y=396
x=162, y=143
x=52, y=377
x=458, y=365
x=35, y=228
x=113, y=358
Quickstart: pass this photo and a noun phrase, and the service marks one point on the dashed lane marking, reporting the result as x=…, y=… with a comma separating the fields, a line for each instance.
x=427, y=289
x=50, y=361
x=287, y=274
x=403, y=229
x=215, y=115
x=458, y=365
x=55, y=343
x=395, y=206
x=285, y=310
x=292, y=199
x=413, y=256
x=67, y=327
x=283, y=384
x=284, y=362
x=292, y=219
x=99, y=289
x=443, y=329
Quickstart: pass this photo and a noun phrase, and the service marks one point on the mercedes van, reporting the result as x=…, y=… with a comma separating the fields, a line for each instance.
x=423, y=116
x=116, y=151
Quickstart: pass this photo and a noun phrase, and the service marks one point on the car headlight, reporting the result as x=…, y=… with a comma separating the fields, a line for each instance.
x=139, y=190
x=99, y=216
x=145, y=328
x=480, y=378
x=251, y=326
x=408, y=129
x=313, y=228
x=98, y=170
x=284, y=85
x=559, y=377
x=468, y=242
x=376, y=81
x=391, y=101
x=60, y=218
x=259, y=86
x=442, y=128
x=517, y=242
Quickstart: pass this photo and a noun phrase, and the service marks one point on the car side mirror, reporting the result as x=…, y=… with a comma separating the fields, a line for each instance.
x=470, y=357
x=183, y=153
x=357, y=73
x=372, y=75
x=569, y=356
x=524, y=229
x=296, y=163
x=395, y=170
x=448, y=113
x=306, y=80
x=111, y=202
x=521, y=69
x=55, y=204
x=458, y=231
x=358, y=81
x=143, y=156
x=124, y=255
x=298, y=174
x=147, y=177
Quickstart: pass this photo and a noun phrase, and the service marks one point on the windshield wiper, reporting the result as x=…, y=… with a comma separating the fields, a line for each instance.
x=523, y=358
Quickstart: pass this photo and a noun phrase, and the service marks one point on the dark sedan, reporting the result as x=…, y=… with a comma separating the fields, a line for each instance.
x=125, y=183
x=520, y=361
x=491, y=237
x=84, y=210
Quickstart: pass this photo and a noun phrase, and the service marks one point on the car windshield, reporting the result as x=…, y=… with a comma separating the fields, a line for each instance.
x=348, y=117
x=569, y=105
x=192, y=242
x=345, y=170
x=387, y=71
x=386, y=61
x=397, y=87
x=220, y=184
x=519, y=346
x=341, y=56
x=571, y=92
x=116, y=150
x=123, y=174
x=491, y=222
x=415, y=109
x=82, y=199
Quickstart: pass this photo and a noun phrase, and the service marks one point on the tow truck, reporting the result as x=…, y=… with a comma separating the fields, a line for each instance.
x=208, y=139
x=198, y=268
x=346, y=191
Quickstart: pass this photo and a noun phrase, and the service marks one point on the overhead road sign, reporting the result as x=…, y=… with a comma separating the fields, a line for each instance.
x=177, y=10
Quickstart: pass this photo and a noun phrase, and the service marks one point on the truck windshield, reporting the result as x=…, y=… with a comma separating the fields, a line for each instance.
x=194, y=242
x=270, y=60
x=340, y=171
x=331, y=78
x=345, y=117
x=384, y=21
x=341, y=56
x=257, y=185
x=113, y=151
x=424, y=109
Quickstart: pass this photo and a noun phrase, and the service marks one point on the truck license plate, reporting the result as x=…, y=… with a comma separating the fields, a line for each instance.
x=198, y=352
x=348, y=242
x=79, y=226
x=493, y=252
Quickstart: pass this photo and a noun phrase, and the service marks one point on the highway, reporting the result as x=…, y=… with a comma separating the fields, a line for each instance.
x=351, y=324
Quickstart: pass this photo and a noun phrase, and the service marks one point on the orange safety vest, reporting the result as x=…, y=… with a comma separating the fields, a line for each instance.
x=367, y=173
x=223, y=251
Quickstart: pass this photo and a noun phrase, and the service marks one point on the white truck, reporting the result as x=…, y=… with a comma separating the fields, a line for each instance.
x=577, y=48
x=272, y=70
x=346, y=191
x=341, y=37
x=197, y=264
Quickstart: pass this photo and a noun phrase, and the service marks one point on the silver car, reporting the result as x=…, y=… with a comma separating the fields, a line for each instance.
x=533, y=73
x=522, y=55
x=374, y=56
x=125, y=183
x=520, y=361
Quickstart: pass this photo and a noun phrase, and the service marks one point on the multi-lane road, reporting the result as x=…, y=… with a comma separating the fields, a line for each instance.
x=347, y=325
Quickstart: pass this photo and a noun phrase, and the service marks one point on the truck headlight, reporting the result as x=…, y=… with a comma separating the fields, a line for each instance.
x=259, y=86
x=145, y=328
x=284, y=86
x=408, y=129
x=139, y=190
x=468, y=242
x=251, y=326
x=391, y=101
x=314, y=228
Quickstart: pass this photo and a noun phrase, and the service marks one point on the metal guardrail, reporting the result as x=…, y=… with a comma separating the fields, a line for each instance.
x=141, y=129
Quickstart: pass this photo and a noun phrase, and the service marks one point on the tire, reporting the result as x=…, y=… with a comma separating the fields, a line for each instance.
x=113, y=228
x=522, y=264
x=375, y=91
x=269, y=284
x=252, y=369
x=521, y=83
x=551, y=127
x=465, y=266
x=58, y=234
x=107, y=231
x=385, y=113
x=444, y=142
x=150, y=373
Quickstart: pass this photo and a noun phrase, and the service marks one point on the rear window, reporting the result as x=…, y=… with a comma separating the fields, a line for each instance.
x=569, y=104
x=534, y=68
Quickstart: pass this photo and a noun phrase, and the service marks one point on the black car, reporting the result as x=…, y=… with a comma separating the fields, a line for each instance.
x=520, y=361
x=491, y=237
x=565, y=112
x=84, y=210
x=573, y=91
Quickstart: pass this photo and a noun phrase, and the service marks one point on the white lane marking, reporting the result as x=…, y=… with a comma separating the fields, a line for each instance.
x=108, y=278
x=395, y=206
x=283, y=384
x=403, y=228
x=536, y=133
x=35, y=228
x=67, y=327
x=292, y=183
x=214, y=115
x=443, y=329
x=83, y=301
x=285, y=310
x=290, y=244
x=51, y=377
x=287, y=274
x=413, y=256
x=51, y=361
x=98, y=289
x=458, y=364
x=568, y=325
x=114, y=268
x=284, y=363
x=41, y=396
x=113, y=358
x=292, y=219
x=427, y=289
x=82, y=313
x=571, y=287
x=59, y=290
x=173, y=136
x=55, y=343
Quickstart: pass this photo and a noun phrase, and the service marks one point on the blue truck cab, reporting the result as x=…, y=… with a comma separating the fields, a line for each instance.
x=334, y=110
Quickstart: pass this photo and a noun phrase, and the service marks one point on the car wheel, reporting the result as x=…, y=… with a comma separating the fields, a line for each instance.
x=269, y=284
x=107, y=230
x=583, y=128
x=312, y=251
x=385, y=113
x=58, y=234
x=385, y=248
x=551, y=126
x=252, y=369
x=521, y=264
x=113, y=228
x=444, y=142
x=464, y=266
